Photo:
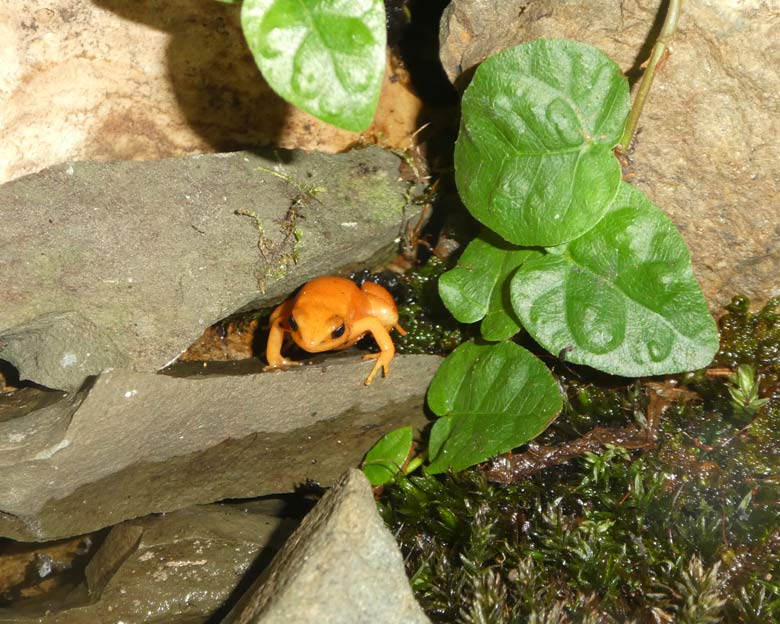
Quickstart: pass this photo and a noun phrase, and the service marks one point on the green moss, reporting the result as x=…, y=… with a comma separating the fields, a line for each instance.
x=430, y=327
x=750, y=337
x=686, y=531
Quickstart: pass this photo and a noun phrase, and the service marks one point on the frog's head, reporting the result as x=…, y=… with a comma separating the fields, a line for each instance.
x=316, y=330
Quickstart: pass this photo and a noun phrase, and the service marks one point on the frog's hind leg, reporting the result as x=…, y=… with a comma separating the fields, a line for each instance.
x=382, y=306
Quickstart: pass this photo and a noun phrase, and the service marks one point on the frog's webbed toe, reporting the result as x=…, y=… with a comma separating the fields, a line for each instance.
x=281, y=365
x=382, y=361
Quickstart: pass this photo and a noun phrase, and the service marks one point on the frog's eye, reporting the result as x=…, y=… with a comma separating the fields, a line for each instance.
x=291, y=322
x=338, y=332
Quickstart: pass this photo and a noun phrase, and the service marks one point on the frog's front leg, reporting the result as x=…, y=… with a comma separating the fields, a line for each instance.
x=383, y=340
x=273, y=350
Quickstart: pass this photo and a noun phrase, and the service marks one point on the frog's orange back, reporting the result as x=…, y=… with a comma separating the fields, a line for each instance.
x=381, y=303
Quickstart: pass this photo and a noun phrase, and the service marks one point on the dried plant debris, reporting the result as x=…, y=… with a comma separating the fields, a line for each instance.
x=682, y=528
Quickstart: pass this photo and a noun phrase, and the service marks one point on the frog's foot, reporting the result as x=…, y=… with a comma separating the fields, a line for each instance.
x=281, y=364
x=382, y=361
x=400, y=329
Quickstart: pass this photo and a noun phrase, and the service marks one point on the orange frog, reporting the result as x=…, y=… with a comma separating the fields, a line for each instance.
x=333, y=313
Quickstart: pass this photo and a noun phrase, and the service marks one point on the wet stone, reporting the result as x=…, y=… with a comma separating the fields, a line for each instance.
x=180, y=567
x=133, y=443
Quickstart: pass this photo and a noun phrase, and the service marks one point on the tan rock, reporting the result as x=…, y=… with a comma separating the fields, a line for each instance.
x=144, y=80
x=707, y=153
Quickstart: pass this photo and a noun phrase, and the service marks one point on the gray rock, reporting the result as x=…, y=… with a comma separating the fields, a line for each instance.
x=177, y=568
x=138, y=443
x=703, y=155
x=60, y=346
x=124, y=264
x=341, y=566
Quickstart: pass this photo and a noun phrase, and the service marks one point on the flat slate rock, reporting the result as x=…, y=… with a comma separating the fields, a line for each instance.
x=138, y=443
x=125, y=264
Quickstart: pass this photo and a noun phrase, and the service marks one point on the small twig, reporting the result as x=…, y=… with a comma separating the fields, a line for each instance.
x=657, y=58
x=714, y=373
x=513, y=468
x=516, y=467
x=412, y=235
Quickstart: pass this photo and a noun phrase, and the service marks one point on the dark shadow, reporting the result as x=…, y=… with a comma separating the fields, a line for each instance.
x=635, y=72
x=50, y=576
x=413, y=31
x=87, y=385
x=439, y=118
x=11, y=375
x=20, y=397
x=215, y=80
x=413, y=35
x=294, y=508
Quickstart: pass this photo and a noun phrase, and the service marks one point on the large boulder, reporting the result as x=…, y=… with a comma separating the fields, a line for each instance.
x=705, y=153
x=116, y=80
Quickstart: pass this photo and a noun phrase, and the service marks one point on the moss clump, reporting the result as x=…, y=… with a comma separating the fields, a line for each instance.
x=751, y=337
x=431, y=327
x=687, y=530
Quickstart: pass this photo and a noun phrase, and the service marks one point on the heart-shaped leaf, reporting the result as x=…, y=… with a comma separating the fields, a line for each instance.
x=478, y=288
x=622, y=298
x=387, y=457
x=533, y=160
x=490, y=399
x=325, y=56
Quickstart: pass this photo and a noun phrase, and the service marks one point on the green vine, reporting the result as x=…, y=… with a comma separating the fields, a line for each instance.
x=657, y=56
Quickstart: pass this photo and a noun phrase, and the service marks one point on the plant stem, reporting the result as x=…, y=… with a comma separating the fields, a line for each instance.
x=656, y=56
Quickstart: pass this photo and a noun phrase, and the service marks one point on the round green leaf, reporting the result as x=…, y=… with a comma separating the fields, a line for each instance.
x=533, y=160
x=387, y=456
x=478, y=288
x=622, y=298
x=491, y=399
x=325, y=56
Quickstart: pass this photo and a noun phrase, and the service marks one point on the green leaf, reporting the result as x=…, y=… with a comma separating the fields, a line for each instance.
x=478, y=288
x=491, y=399
x=325, y=56
x=622, y=298
x=384, y=461
x=533, y=160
